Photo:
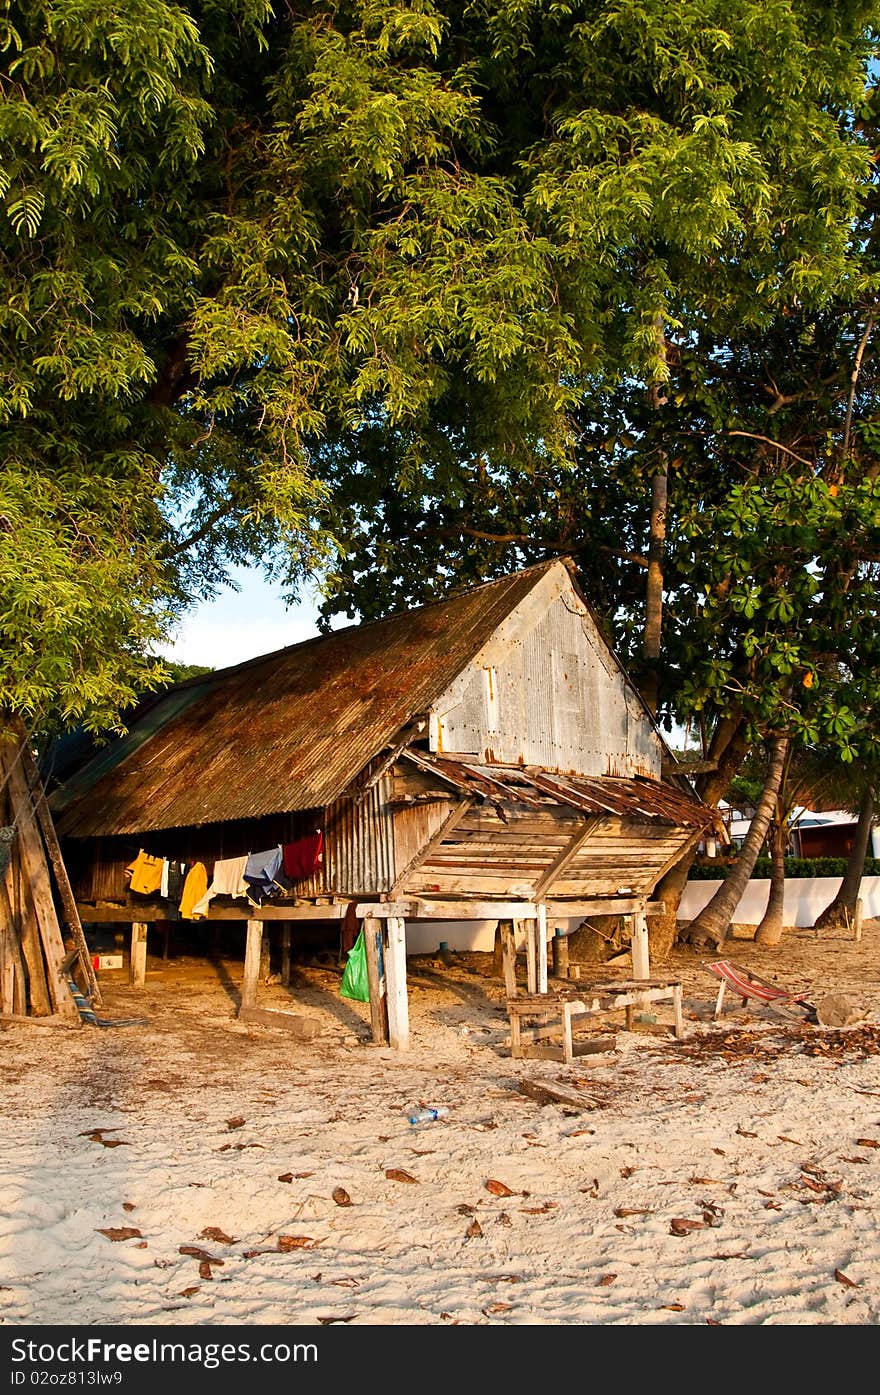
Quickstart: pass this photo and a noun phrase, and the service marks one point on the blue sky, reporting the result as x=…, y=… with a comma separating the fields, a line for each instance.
x=241, y=624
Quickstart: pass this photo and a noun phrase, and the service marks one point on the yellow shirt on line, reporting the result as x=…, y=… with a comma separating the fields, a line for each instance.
x=194, y=888
x=145, y=873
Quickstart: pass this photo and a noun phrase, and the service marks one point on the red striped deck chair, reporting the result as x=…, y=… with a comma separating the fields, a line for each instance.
x=746, y=984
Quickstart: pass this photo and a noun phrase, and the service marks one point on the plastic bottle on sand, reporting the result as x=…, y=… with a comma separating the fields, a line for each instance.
x=424, y=1116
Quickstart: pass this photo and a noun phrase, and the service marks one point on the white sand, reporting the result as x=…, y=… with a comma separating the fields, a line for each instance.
x=762, y=1133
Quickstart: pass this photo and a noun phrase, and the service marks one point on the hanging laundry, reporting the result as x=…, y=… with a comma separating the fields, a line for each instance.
x=172, y=880
x=145, y=873
x=304, y=857
x=264, y=875
x=194, y=888
x=228, y=880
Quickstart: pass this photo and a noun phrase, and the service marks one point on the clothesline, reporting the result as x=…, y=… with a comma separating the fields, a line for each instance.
x=258, y=876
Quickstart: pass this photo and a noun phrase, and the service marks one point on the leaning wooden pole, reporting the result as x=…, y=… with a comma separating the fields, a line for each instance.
x=35, y=877
x=62, y=881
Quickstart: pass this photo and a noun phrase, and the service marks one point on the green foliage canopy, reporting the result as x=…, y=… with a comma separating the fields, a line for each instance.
x=270, y=271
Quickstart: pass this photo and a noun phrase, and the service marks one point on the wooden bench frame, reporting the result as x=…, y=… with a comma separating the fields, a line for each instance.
x=597, y=1001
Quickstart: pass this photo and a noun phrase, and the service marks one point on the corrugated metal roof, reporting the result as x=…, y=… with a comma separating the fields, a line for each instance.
x=289, y=730
x=620, y=796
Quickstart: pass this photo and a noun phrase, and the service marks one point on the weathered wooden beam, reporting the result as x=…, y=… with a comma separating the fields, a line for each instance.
x=540, y=932
x=304, y=1028
x=251, y=974
x=62, y=881
x=34, y=872
x=372, y=929
x=508, y=957
x=137, y=970
x=109, y=912
x=395, y=979
x=639, y=947
x=526, y=929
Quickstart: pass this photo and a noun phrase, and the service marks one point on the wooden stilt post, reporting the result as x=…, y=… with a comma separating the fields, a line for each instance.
x=528, y=929
x=508, y=956
x=639, y=946
x=251, y=963
x=560, y=955
x=285, y=955
x=541, y=946
x=372, y=929
x=395, y=978
x=137, y=969
x=265, y=955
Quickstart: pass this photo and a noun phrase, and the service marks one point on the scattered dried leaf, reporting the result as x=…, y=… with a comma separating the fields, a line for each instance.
x=128, y=1206
x=205, y=1268
x=504, y=1219
x=606, y=1281
x=213, y=1232
x=235, y=1123
x=188, y=1292
x=285, y=1177
x=784, y=1138
x=194, y=1252
x=679, y=1226
x=867, y=1143
x=673, y=1307
x=120, y=1232
x=539, y=1210
x=627, y=1171
x=845, y=1279
x=465, y=1210
x=326, y=1321
x=474, y=1230
x=399, y=1174
x=622, y=1211
x=492, y=1309
x=746, y=1133
x=499, y=1188
x=295, y=1242
x=341, y=1196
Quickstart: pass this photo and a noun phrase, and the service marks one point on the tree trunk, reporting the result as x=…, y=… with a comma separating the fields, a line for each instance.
x=769, y=931
x=843, y=907
x=654, y=592
x=727, y=749
x=713, y=922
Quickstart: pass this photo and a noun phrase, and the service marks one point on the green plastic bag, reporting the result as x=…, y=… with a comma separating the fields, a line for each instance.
x=355, y=983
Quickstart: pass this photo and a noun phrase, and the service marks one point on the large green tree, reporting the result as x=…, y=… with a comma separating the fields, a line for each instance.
x=241, y=244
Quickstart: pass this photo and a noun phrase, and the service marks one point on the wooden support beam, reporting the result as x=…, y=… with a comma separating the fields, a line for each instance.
x=251, y=975
x=422, y=909
x=285, y=955
x=372, y=929
x=527, y=927
x=395, y=978
x=265, y=957
x=137, y=971
x=541, y=947
x=567, y=856
x=508, y=957
x=639, y=947
x=108, y=912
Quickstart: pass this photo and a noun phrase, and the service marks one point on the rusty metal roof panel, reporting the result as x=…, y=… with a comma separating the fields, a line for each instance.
x=289, y=730
x=622, y=797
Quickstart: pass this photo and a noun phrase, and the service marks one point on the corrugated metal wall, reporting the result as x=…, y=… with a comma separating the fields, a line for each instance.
x=562, y=703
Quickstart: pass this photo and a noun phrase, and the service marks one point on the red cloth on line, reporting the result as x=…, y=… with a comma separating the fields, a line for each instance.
x=303, y=858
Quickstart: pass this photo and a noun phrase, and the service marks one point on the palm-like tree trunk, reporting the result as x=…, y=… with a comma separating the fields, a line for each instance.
x=713, y=922
x=843, y=906
x=769, y=931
